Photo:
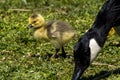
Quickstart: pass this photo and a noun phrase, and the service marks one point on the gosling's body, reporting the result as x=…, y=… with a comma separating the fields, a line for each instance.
x=57, y=32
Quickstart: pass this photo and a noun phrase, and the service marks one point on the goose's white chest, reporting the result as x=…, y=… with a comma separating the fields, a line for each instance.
x=94, y=49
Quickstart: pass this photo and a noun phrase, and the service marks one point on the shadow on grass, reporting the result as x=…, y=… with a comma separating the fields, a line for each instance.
x=102, y=75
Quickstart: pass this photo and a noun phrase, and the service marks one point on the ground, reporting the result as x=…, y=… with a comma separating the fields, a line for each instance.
x=24, y=58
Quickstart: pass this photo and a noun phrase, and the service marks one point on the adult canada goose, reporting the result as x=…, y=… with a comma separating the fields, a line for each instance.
x=57, y=32
x=89, y=45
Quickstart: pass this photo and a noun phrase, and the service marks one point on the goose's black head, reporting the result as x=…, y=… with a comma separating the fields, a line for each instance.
x=81, y=57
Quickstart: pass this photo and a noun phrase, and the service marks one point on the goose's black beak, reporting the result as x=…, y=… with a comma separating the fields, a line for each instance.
x=30, y=26
x=78, y=70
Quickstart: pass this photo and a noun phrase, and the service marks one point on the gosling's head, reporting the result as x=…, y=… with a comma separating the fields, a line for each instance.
x=36, y=21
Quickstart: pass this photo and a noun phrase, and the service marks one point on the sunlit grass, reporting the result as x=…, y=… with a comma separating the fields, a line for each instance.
x=24, y=58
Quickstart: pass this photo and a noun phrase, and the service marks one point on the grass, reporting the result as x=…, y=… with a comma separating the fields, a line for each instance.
x=24, y=58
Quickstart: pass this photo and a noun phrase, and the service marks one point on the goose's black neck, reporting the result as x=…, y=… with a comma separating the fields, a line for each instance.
x=102, y=25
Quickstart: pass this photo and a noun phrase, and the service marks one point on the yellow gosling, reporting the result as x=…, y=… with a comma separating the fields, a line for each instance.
x=114, y=30
x=111, y=32
x=57, y=32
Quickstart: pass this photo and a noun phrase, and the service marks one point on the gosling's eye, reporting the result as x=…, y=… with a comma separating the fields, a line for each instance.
x=34, y=21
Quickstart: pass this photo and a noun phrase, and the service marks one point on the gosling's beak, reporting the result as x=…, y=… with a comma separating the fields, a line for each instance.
x=30, y=26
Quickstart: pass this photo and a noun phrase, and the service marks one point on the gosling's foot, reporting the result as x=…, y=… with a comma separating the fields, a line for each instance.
x=54, y=56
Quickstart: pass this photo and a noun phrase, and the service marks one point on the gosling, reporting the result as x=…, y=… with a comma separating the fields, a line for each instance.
x=114, y=30
x=57, y=32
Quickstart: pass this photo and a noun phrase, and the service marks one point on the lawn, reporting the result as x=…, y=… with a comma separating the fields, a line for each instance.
x=24, y=58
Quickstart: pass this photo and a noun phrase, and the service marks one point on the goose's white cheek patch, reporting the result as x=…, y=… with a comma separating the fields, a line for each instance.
x=94, y=49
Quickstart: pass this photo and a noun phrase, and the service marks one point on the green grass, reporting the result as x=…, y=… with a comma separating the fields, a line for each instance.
x=24, y=58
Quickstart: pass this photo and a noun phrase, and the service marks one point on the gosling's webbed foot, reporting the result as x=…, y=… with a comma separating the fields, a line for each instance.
x=57, y=50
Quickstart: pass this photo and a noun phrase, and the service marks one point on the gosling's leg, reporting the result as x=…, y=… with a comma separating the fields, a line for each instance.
x=55, y=55
x=63, y=52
